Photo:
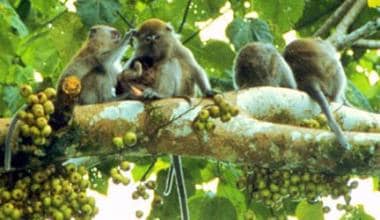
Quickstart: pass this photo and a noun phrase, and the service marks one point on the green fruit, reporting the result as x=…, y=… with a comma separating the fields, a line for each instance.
x=139, y=214
x=57, y=200
x=151, y=184
x=67, y=212
x=38, y=110
x=234, y=111
x=42, y=97
x=26, y=90
x=130, y=138
x=210, y=126
x=70, y=168
x=34, y=131
x=214, y=111
x=125, y=166
x=46, y=131
x=46, y=201
x=225, y=117
x=265, y=193
x=32, y=99
x=218, y=98
x=41, y=122
x=125, y=180
x=49, y=107
x=39, y=141
x=274, y=188
x=87, y=209
x=118, y=142
x=25, y=130
x=75, y=178
x=57, y=215
x=203, y=115
x=135, y=195
x=199, y=126
x=8, y=208
x=326, y=209
x=82, y=170
x=114, y=172
x=21, y=114
x=50, y=92
x=354, y=184
x=145, y=196
x=295, y=179
x=17, y=194
x=16, y=214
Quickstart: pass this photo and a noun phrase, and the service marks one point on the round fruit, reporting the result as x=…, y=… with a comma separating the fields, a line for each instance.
x=139, y=213
x=32, y=99
x=42, y=97
x=218, y=98
x=210, y=126
x=125, y=166
x=199, y=126
x=130, y=138
x=48, y=107
x=234, y=111
x=50, y=92
x=214, y=111
x=46, y=131
x=203, y=115
x=225, y=117
x=38, y=110
x=41, y=122
x=118, y=142
x=25, y=90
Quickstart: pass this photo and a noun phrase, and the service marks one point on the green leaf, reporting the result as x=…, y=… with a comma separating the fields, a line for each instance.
x=281, y=15
x=356, y=98
x=97, y=11
x=207, y=206
x=242, y=31
x=41, y=54
x=235, y=196
x=139, y=170
x=98, y=180
x=15, y=21
x=12, y=98
x=67, y=35
x=306, y=211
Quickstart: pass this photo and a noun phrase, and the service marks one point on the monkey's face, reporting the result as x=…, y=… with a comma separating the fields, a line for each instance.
x=107, y=38
x=154, y=40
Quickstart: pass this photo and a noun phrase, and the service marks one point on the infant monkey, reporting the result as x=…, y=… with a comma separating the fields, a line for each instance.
x=260, y=64
x=320, y=74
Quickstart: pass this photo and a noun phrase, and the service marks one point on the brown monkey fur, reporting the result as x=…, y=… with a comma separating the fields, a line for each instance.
x=260, y=64
x=319, y=73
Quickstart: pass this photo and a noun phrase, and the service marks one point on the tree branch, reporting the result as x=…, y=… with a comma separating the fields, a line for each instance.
x=366, y=30
x=334, y=18
x=244, y=139
x=184, y=17
x=367, y=43
x=348, y=19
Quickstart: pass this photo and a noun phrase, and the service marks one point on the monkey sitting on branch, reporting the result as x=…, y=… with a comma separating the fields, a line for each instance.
x=320, y=74
x=260, y=64
x=96, y=66
x=167, y=69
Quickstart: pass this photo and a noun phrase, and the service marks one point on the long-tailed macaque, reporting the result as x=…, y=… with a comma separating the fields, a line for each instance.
x=319, y=73
x=175, y=72
x=260, y=64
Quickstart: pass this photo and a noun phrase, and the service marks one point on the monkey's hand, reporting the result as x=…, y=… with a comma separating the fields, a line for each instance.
x=210, y=93
x=150, y=94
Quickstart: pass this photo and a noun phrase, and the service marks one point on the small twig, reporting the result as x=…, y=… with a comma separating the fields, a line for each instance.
x=197, y=32
x=185, y=14
x=130, y=25
x=367, y=43
x=348, y=19
x=334, y=18
x=366, y=30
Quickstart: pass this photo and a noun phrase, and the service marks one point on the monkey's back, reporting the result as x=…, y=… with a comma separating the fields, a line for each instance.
x=315, y=61
x=253, y=66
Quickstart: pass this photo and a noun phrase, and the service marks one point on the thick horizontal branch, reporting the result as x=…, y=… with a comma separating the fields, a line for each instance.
x=243, y=139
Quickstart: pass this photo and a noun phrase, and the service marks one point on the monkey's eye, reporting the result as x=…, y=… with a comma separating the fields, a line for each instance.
x=115, y=34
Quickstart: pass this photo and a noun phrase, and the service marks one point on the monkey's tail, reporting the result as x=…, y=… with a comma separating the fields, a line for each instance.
x=176, y=171
x=8, y=143
x=317, y=94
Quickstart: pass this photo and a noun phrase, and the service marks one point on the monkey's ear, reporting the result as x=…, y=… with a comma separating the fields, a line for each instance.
x=169, y=27
x=92, y=32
